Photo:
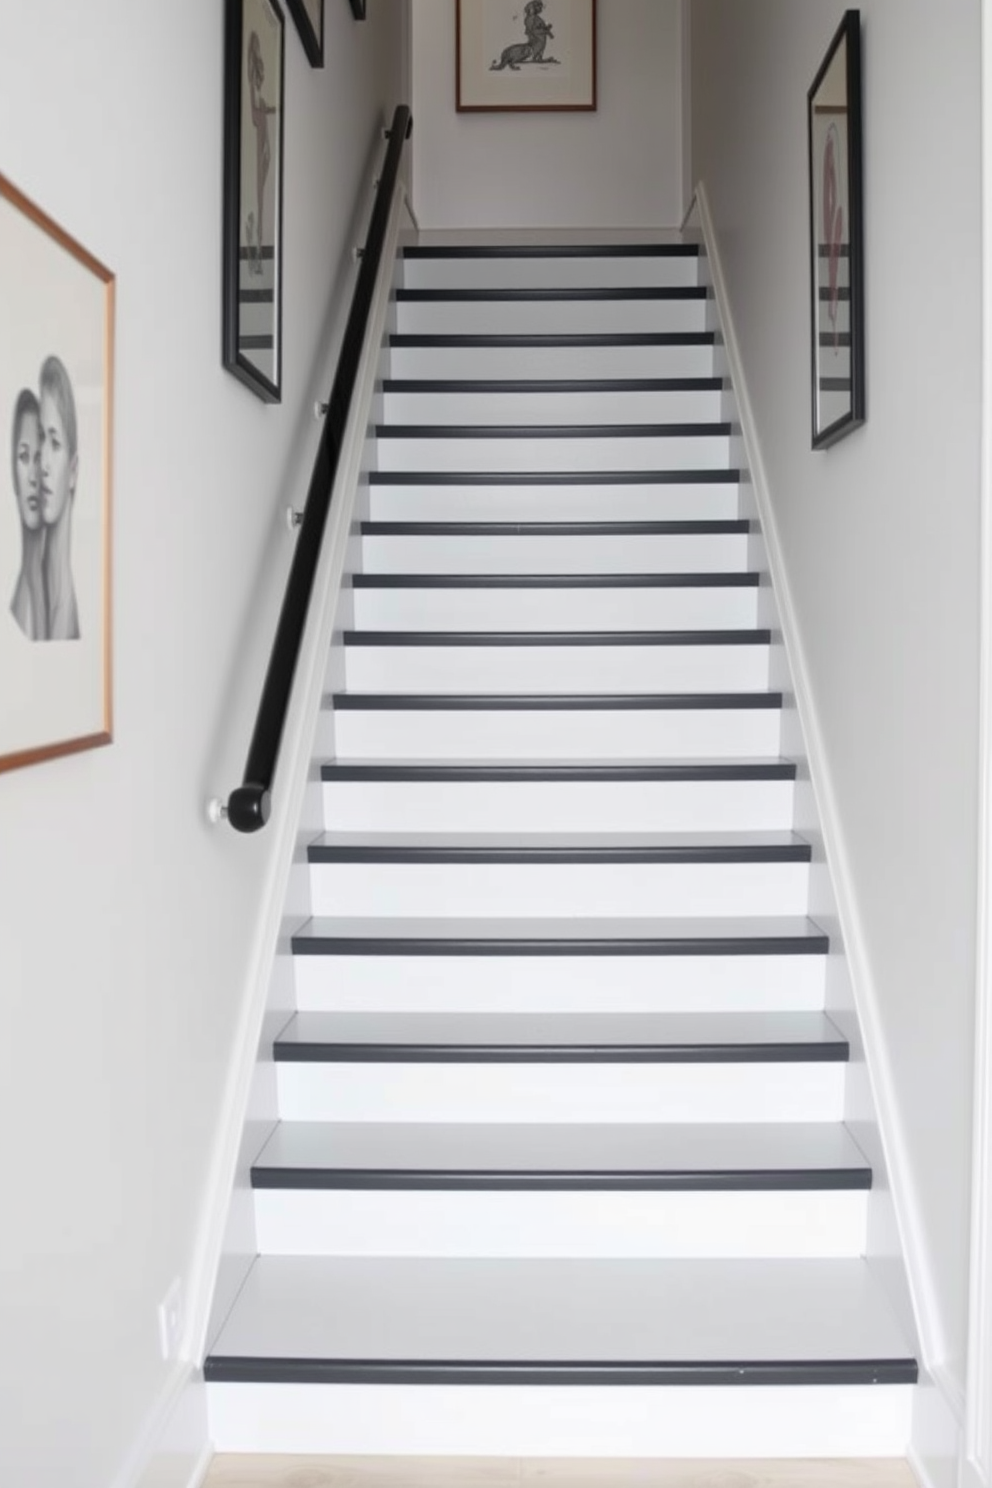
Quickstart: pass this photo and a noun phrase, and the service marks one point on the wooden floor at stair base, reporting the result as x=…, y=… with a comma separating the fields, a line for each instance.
x=424, y=1472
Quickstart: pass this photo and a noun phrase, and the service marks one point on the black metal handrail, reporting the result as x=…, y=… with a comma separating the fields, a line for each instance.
x=249, y=805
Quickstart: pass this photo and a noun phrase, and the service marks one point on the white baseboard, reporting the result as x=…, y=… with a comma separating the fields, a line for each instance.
x=293, y=782
x=893, y=1142
x=173, y=1447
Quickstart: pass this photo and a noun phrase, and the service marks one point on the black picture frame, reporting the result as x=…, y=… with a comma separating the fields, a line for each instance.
x=836, y=237
x=358, y=9
x=309, y=18
x=254, y=96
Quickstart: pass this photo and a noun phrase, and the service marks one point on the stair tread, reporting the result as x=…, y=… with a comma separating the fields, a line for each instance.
x=557, y=1316
x=522, y=847
x=720, y=475
x=714, y=527
x=437, y=638
x=552, y=770
x=623, y=294
x=539, y=385
x=530, y=340
x=725, y=1154
x=466, y=935
x=694, y=430
x=551, y=250
x=723, y=580
x=675, y=1037
x=554, y=701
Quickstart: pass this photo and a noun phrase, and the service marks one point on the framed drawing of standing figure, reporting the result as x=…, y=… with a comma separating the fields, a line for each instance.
x=253, y=175
x=836, y=254
x=56, y=396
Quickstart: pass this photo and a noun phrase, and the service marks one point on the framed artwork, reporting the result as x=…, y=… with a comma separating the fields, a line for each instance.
x=253, y=178
x=309, y=18
x=537, y=55
x=56, y=407
x=358, y=9
x=836, y=241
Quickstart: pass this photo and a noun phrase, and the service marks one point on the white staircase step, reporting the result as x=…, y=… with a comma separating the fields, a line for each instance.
x=484, y=661
x=635, y=354
x=473, y=402
x=522, y=602
x=550, y=312
x=547, y=874
x=547, y=548
x=578, y=267
x=535, y=726
x=554, y=448
x=408, y=1336
x=510, y=1190
x=682, y=497
x=557, y=796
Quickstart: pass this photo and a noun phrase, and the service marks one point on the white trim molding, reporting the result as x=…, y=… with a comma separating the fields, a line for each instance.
x=297, y=746
x=906, y=1199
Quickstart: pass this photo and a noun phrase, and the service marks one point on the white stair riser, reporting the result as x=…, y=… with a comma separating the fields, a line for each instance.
x=561, y=1092
x=559, y=806
x=550, y=984
x=561, y=1421
x=535, y=407
x=571, y=271
x=519, y=734
x=559, y=554
x=492, y=669
x=713, y=1225
x=547, y=317
x=694, y=501
x=669, y=452
x=715, y=889
x=552, y=361
x=556, y=609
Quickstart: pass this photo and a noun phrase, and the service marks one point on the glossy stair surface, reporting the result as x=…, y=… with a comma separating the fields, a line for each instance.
x=561, y=1165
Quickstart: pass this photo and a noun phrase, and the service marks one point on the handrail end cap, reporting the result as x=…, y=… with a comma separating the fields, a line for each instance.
x=249, y=807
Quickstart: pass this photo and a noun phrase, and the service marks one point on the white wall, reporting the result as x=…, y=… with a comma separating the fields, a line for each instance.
x=125, y=920
x=880, y=535
x=617, y=167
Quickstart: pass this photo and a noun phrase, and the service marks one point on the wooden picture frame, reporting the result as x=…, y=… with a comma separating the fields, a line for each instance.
x=836, y=238
x=540, y=54
x=254, y=88
x=309, y=18
x=56, y=406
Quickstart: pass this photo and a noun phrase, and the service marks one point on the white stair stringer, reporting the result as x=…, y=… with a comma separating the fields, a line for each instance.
x=561, y=1166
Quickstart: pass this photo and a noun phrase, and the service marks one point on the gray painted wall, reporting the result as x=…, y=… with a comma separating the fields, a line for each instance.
x=617, y=167
x=880, y=535
x=125, y=921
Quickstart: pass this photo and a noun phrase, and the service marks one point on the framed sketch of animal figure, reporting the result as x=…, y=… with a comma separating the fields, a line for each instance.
x=525, y=54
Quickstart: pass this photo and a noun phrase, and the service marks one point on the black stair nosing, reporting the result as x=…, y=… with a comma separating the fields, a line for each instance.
x=551, y=250
x=543, y=772
x=460, y=702
x=446, y=1180
x=815, y=943
x=836, y=1052
x=589, y=853
x=722, y=476
x=523, y=639
x=728, y=580
x=538, y=386
x=245, y=1369
x=695, y=430
x=688, y=527
x=533, y=340
x=625, y=293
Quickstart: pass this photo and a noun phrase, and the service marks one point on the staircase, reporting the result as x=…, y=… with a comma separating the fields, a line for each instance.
x=561, y=1165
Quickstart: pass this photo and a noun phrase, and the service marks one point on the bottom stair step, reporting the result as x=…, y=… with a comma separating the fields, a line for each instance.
x=718, y=1357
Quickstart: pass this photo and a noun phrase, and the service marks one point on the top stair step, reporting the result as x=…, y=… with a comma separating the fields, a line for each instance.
x=557, y=268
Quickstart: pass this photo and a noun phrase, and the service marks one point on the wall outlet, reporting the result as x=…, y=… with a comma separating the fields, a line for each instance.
x=170, y=1321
